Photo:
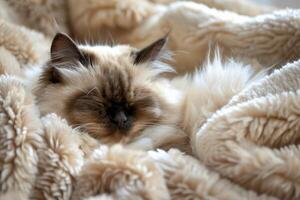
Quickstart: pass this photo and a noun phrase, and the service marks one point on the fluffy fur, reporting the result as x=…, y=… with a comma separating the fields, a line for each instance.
x=115, y=79
x=204, y=92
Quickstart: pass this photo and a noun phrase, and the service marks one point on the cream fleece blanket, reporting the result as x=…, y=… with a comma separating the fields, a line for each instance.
x=249, y=149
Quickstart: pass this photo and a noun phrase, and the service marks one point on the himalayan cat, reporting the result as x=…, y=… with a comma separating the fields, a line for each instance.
x=112, y=93
x=118, y=94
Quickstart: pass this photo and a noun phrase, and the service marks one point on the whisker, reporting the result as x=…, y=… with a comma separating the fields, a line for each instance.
x=91, y=90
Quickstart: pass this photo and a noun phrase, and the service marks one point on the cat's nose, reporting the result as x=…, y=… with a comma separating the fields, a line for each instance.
x=122, y=120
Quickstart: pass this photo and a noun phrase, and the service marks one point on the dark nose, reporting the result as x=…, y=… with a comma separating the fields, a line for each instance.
x=122, y=120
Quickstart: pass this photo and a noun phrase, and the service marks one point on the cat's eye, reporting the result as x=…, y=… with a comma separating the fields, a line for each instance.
x=55, y=76
x=51, y=75
x=101, y=113
x=127, y=106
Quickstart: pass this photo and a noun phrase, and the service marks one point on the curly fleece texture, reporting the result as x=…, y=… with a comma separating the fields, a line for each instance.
x=246, y=148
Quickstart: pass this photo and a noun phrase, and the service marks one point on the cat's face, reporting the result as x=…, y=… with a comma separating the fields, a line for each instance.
x=109, y=92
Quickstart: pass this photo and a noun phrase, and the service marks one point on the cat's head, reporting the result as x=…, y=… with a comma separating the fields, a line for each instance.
x=109, y=92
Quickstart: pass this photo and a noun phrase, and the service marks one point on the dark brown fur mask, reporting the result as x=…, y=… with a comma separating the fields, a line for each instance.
x=113, y=93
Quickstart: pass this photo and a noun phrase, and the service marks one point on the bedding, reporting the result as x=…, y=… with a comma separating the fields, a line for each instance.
x=247, y=149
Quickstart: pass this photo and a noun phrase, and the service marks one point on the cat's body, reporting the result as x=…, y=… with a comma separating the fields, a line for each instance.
x=117, y=94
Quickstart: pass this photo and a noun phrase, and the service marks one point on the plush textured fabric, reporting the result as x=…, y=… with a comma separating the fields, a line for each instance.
x=193, y=28
x=245, y=145
x=46, y=16
x=254, y=139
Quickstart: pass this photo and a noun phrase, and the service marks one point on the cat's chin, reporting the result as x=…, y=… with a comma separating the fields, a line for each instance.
x=160, y=136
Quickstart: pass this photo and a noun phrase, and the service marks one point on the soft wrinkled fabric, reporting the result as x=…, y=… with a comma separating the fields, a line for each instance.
x=247, y=149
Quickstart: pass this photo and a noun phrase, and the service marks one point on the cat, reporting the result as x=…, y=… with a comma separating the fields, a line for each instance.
x=118, y=94
x=112, y=93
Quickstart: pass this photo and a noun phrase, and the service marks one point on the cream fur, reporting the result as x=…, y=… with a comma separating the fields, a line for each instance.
x=210, y=88
x=203, y=93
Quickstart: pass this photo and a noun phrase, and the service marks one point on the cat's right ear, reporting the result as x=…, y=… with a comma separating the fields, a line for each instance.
x=64, y=51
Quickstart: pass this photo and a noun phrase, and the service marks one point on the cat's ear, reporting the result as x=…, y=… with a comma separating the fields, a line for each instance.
x=151, y=52
x=65, y=51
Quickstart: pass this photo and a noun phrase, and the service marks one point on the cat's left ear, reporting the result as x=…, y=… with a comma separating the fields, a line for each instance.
x=151, y=52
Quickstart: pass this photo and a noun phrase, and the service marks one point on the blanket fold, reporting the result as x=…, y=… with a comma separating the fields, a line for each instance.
x=247, y=147
x=193, y=29
x=254, y=142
